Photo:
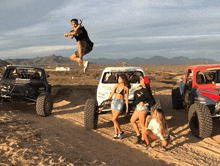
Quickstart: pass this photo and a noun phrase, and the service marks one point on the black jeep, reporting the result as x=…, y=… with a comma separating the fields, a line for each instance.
x=25, y=83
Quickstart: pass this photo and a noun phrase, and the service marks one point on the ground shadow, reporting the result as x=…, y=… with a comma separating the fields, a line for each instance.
x=122, y=119
x=68, y=141
x=71, y=99
x=178, y=123
x=216, y=127
x=177, y=119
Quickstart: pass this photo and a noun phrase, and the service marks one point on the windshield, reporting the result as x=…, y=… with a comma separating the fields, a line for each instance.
x=112, y=77
x=23, y=73
x=208, y=77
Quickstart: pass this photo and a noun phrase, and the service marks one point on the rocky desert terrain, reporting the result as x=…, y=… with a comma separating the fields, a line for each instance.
x=61, y=139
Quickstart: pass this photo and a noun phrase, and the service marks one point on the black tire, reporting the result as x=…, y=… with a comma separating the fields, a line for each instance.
x=44, y=104
x=49, y=89
x=200, y=120
x=4, y=102
x=156, y=106
x=91, y=114
x=177, y=100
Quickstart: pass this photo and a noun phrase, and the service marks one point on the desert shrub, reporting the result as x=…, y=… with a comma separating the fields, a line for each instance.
x=96, y=74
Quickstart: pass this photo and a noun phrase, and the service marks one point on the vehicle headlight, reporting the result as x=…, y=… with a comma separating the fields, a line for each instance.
x=200, y=98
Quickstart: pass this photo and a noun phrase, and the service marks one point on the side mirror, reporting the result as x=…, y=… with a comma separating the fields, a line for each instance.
x=97, y=78
x=48, y=76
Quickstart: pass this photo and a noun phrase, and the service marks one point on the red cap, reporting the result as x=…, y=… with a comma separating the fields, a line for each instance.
x=146, y=80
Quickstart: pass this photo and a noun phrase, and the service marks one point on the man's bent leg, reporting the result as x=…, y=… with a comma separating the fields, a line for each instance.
x=74, y=57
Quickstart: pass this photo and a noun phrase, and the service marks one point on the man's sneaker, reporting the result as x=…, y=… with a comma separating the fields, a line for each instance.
x=115, y=137
x=86, y=66
x=80, y=62
x=120, y=136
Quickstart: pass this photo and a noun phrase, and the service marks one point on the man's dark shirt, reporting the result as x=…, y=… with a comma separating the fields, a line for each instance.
x=83, y=36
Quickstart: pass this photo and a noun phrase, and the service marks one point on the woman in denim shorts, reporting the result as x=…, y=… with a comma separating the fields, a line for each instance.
x=143, y=99
x=121, y=92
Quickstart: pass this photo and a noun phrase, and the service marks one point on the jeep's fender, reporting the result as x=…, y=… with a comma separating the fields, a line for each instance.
x=182, y=88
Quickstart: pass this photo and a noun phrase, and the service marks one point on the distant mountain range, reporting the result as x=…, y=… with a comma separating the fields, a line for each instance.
x=153, y=60
x=53, y=59
x=3, y=63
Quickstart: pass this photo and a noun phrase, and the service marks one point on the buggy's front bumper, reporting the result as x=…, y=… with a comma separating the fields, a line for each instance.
x=17, y=92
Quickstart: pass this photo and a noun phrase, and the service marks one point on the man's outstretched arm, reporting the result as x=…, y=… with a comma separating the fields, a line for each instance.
x=73, y=34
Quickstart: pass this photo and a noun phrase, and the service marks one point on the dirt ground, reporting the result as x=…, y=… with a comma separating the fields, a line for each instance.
x=61, y=139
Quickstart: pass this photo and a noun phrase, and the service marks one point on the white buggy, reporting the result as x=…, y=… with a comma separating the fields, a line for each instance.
x=109, y=78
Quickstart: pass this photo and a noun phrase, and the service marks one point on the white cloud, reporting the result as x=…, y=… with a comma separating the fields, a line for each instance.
x=117, y=23
x=11, y=4
x=113, y=15
x=40, y=29
x=174, y=3
x=166, y=39
x=34, y=50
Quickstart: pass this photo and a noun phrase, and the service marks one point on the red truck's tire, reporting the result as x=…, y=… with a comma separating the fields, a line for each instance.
x=177, y=100
x=200, y=120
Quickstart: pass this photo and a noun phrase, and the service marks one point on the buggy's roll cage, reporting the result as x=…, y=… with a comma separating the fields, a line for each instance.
x=22, y=74
x=128, y=73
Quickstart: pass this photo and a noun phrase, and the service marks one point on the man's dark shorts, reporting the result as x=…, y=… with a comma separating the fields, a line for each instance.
x=85, y=50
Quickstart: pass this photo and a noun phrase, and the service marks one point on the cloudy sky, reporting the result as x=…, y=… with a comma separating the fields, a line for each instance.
x=126, y=28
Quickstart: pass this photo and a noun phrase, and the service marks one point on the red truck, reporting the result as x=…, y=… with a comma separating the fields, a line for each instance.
x=199, y=92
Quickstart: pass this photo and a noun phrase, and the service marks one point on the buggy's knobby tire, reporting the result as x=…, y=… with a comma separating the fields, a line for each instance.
x=177, y=100
x=49, y=88
x=200, y=120
x=156, y=106
x=44, y=104
x=91, y=114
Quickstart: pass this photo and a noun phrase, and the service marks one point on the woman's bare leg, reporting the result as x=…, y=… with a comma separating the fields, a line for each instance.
x=165, y=142
x=142, y=117
x=148, y=133
x=133, y=120
x=115, y=115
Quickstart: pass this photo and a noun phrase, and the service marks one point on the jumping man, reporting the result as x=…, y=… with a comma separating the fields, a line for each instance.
x=85, y=45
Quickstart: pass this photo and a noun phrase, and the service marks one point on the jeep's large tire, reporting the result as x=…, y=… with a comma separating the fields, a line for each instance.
x=155, y=106
x=44, y=104
x=177, y=100
x=200, y=120
x=91, y=114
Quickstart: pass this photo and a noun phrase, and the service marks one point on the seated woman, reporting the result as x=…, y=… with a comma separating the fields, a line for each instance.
x=143, y=99
x=156, y=128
